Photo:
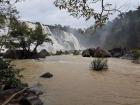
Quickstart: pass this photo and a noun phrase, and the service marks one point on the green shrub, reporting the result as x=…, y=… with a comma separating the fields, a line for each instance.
x=9, y=75
x=99, y=64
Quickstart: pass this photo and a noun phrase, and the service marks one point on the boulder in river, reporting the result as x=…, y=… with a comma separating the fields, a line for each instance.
x=86, y=53
x=92, y=51
x=98, y=52
x=118, y=52
x=47, y=75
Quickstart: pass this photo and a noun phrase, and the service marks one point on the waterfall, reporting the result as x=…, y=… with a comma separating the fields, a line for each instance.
x=61, y=39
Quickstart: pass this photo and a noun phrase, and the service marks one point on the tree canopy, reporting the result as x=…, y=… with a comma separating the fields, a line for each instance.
x=20, y=36
x=86, y=9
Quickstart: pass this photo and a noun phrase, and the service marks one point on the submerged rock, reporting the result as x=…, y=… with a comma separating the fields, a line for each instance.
x=47, y=75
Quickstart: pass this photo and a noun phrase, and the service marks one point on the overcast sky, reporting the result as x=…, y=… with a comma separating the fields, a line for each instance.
x=45, y=12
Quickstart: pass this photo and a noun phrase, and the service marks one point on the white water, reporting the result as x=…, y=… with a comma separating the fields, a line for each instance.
x=62, y=40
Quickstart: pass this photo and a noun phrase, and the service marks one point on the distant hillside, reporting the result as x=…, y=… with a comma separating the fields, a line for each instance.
x=123, y=31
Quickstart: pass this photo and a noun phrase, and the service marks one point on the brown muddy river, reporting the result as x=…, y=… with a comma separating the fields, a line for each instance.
x=75, y=84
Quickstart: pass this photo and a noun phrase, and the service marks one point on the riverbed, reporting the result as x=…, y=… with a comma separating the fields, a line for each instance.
x=74, y=83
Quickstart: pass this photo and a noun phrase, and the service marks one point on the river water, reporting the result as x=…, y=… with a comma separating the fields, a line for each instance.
x=75, y=84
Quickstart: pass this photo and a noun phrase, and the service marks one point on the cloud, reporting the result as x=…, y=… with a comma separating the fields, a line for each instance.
x=45, y=12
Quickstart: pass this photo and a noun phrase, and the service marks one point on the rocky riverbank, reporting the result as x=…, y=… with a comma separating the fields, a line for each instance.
x=22, y=96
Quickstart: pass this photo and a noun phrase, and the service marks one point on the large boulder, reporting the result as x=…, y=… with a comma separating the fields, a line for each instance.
x=86, y=53
x=99, y=52
x=118, y=52
x=47, y=75
x=92, y=51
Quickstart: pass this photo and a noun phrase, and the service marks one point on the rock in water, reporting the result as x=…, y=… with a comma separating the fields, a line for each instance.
x=117, y=52
x=47, y=75
x=36, y=89
x=98, y=52
x=32, y=100
x=86, y=53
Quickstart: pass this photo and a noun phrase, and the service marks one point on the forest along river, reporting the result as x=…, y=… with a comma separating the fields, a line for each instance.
x=75, y=84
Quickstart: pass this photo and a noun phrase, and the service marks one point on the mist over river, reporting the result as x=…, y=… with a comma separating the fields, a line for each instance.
x=74, y=83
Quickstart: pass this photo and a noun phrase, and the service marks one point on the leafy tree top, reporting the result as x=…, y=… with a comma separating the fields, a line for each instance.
x=86, y=9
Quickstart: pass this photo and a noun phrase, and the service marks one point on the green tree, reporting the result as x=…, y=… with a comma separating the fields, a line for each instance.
x=7, y=10
x=18, y=35
x=86, y=9
x=38, y=37
x=21, y=37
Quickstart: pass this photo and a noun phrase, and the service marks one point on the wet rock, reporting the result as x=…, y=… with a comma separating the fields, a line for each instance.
x=47, y=75
x=24, y=96
x=118, y=52
x=30, y=100
x=6, y=93
x=86, y=53
x=36, y=89
x=92, y=51
x=99, y=52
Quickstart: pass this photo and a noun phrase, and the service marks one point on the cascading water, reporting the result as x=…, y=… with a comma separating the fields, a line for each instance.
x=62, y=40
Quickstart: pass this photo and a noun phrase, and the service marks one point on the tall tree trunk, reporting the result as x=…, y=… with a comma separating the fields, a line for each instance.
x=35, y=49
